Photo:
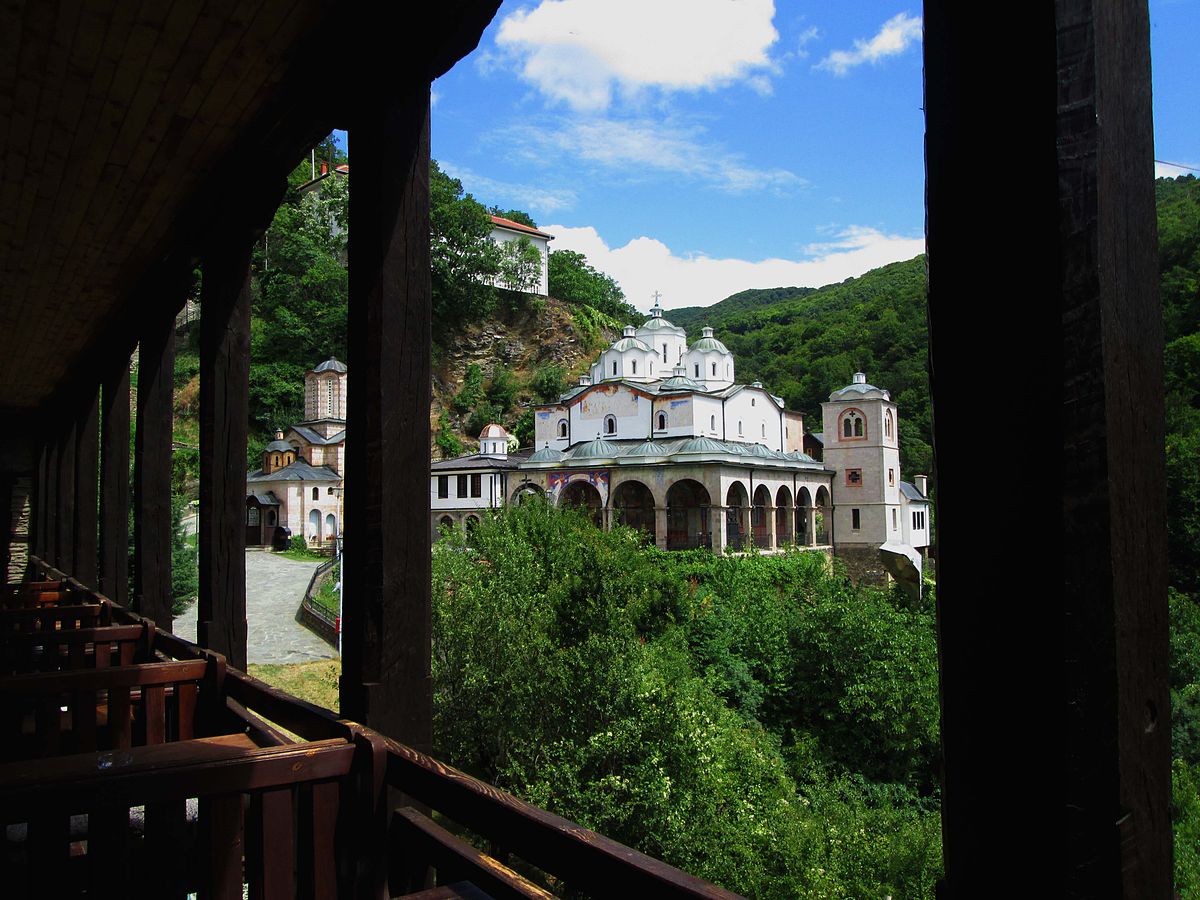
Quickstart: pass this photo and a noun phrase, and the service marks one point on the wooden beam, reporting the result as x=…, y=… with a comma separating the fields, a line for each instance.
x=152, y=523
x=37, y=528
x=1055, y=727
x=87, y=458
x=64, y=519
x=386, y=679
x=114, y=485
x=224, y=411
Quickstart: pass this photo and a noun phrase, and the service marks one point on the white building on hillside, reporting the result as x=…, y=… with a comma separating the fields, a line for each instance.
x=506, y=230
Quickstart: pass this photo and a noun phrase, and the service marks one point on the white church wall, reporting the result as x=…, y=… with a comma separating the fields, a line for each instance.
x=546, y=427
x=680, y=415
x=758, y=416
x=707, y=417
x=629, y=408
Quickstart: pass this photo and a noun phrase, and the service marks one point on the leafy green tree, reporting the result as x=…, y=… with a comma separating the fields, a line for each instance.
x=548, y=382
x=448, y=443
x=503, y=388
x=464, y=260
x=514, y=215
x=520, y=265
x=574, y=280
x=185, y=573
x=471, y=391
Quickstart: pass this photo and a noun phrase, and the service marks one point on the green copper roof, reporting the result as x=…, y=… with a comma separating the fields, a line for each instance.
x=657, y=324
x=678, y=383
x=595, y=449
x=630, y=343
x=279, y=447
x=708, y=345
x=648, y=448
x=546, y=454
x=702, y=445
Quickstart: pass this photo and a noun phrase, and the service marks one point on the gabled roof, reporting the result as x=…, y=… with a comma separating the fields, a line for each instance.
x=297, y=471
x=476, y=461
x=315, y=437
x=510, y=225
x=912, y=494
x=267, y=499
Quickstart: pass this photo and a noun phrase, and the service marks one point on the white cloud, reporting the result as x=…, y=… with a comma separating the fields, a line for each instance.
x=896, y=35
x=804, y=38
x=578, y=52
x=529, y=197
x=1173, y=170
x=635, y=147
x=645, y=265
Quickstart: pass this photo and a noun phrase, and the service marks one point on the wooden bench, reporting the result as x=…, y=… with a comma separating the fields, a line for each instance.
x=55, y=617
x=273, y=816
x=81, y=648
x=50, y=713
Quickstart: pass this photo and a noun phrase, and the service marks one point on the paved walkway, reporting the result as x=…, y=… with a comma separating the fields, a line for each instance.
x=274, y=586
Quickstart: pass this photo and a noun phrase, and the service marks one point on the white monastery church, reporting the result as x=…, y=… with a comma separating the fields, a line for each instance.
x=660, y=436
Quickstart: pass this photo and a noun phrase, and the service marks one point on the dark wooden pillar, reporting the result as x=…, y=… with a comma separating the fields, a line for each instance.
x=1056, y=726
x=37, y=528
x=64, y=519
x=87, y=457
x=114, y=485
x=224, y=410
x=49, y=525
x=386, y=638
x=152, y=524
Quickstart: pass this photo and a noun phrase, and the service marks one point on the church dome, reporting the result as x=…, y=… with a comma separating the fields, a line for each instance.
x=630, y=343
x=678, y=383
x=764, y=451
x=657, y=324
x=595, y=449
x=279, y=447
x=648, y=448
x=708, y=343
x=859, y=388
x=494, y=432
x=702, y=445
x=331, y=365
x=546, y=454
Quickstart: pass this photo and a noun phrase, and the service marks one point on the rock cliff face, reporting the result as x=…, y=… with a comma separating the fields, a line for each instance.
x=541, y=334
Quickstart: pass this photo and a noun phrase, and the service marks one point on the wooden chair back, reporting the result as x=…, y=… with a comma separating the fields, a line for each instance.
x=82, y=648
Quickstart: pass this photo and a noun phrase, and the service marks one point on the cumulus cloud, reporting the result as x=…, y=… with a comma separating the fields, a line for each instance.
x=579, y=52
x=645, y=265
x=897, y=35
x=636, y=147
x=531, y=198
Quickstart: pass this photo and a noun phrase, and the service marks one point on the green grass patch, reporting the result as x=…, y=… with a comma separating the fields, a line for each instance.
x=316, y=682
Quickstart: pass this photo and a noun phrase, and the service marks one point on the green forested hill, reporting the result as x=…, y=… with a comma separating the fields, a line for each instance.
x=803, y=343
x=693, y=317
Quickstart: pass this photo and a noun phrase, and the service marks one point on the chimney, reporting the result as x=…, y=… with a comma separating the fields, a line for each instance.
x=922, y=482
x=860, y=378
x=629, y=331
x=585, y=379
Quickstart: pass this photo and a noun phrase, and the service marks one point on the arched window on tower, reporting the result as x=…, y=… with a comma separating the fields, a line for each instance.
x=316, y=494
x=887, y=424
x=329, y=398
x=664, y=352
x=562, y=428
x=714, y=370
x=662, y=421
x=633, y=362
x=853, y=425
x=614, y=367
x=610, y=424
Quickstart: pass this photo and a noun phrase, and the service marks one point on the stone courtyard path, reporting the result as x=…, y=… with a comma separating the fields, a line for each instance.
x=274, y=586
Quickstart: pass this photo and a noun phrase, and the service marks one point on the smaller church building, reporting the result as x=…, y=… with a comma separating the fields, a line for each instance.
x=299, y=485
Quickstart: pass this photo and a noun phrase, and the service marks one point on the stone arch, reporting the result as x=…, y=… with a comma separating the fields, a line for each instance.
x=633, y=505
x=526, y=492
x=314, y=524
x=758, y=517
x=784, y=517
x=610, y=425
x=803, y=516
x=736, y=503
x=583, y=495
x=446, y=522
x=330, y=526
x=688, y=515
x=823, y=515
x=471, y=522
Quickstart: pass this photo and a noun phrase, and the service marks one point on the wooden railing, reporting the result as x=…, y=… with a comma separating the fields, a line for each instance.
x=296, y=785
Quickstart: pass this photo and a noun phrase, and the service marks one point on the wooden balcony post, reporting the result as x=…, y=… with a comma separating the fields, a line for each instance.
x=87, y=454
x=1055, y=704
x=64, y=519
x=224, y=410
x=152, y=524
x=386, y=679
x=114, y=485
x=37, y=528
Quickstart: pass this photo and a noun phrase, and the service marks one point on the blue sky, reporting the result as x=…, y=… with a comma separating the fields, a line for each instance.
x=700, y=147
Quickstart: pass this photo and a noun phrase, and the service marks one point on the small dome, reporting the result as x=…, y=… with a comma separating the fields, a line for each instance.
x=764, y=451
x=648, y=448
x=798, y=456
x=279, y=447
x=708, y=343
x=494, y=432
x=702, y=445
x=331, y=365
x=658, y=324
x=546, y=454
x=595, y=449
x=678, y=383
x=630, y=343
x=859, y=388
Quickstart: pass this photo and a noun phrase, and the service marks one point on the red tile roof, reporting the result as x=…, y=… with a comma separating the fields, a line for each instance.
x=517, y=226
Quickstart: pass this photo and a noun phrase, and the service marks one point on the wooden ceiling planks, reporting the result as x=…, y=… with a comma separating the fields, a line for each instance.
x=112, y=117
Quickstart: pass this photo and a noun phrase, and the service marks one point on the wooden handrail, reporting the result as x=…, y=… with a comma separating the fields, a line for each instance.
x=578, y=855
